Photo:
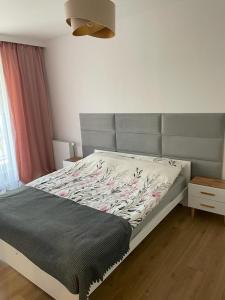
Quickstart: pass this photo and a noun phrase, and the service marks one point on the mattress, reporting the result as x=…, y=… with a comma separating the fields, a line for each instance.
x=174, y=191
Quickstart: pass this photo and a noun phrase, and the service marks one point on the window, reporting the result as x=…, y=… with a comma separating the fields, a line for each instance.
x=2, y=156
x=8, y=167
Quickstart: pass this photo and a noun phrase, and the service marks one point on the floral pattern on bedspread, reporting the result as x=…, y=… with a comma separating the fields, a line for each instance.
x=121, y=186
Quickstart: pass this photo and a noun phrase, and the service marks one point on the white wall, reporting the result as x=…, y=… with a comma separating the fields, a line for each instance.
x=169, y=56
x=21, y=40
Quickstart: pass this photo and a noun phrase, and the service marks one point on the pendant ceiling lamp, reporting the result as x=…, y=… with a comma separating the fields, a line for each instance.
x=91, y=17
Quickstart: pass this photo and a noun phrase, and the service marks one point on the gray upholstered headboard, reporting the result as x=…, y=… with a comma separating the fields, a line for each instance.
x=198, y=138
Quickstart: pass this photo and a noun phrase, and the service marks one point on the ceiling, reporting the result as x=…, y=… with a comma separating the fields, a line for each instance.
x=43, y=19
x=36, y=19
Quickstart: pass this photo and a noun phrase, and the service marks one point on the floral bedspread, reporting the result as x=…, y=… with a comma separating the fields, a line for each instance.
x=123, y=186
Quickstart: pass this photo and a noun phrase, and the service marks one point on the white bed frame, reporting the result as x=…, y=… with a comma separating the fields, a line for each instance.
x=53, y=287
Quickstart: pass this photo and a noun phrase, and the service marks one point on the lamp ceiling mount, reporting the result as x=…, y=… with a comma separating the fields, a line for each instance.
x=91, y=17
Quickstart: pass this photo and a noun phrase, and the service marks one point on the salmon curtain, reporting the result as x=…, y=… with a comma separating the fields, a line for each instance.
x=25, y=78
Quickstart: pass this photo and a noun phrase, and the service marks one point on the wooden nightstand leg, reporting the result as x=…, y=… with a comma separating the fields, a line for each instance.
x=193, y=213
x=224, y=220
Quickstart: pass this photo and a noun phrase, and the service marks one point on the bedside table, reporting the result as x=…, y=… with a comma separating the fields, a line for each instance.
x=71, y=161
x=207, y=194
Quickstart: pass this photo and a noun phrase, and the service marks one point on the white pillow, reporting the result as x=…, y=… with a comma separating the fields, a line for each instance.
x=161, y=160
x=184, y=165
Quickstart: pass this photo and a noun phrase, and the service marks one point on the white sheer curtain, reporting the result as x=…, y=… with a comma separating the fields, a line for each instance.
x=8, y=168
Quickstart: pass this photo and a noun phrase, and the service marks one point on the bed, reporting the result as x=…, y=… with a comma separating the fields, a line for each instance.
x=131, y=133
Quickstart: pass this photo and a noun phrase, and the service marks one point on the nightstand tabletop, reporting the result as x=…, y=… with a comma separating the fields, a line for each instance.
x=73, y=159
x=210, y=182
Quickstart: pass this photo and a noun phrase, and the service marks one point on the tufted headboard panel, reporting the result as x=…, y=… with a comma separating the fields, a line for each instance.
x=97, y=131
x=137, y=133
x=195, y=137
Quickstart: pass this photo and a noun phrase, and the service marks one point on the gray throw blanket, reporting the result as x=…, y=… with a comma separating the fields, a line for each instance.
x=73, y=243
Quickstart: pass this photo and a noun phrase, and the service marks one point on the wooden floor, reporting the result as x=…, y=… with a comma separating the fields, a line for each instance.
x=182, y=259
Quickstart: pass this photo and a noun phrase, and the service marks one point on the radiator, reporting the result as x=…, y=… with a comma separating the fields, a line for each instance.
x=62, y=150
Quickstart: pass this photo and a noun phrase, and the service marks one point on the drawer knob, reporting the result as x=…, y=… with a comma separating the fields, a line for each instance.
x=208, y=206
x=208, y=194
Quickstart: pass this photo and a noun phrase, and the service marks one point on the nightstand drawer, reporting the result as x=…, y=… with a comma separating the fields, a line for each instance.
x=205, y=192
x=207, y=205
